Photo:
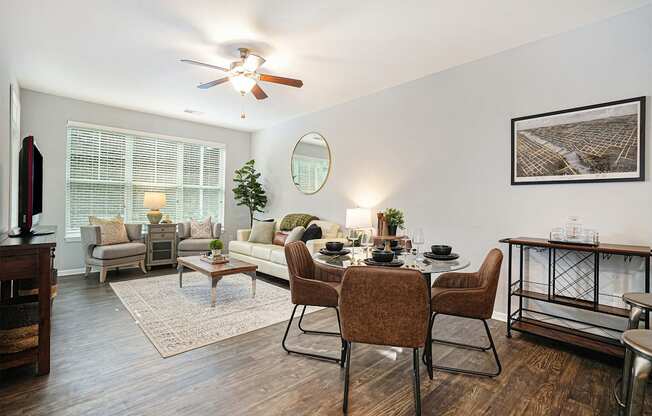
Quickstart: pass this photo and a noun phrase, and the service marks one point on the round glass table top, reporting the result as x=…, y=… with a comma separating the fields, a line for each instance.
x=424, y=265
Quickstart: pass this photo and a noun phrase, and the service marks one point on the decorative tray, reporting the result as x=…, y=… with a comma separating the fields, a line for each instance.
x=393, y=263
x=334, y=253
x=447, y=257
x=216, y=260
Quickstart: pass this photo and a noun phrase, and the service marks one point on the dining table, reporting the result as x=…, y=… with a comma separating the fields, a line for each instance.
x=430, y=269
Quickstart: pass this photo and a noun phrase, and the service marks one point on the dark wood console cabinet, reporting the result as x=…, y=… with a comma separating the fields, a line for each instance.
x=29, y=258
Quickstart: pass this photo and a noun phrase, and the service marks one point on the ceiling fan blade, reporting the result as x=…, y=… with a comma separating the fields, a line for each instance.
x=282, y=80
x=207, y=85
x=190, y=61
x=258, y=92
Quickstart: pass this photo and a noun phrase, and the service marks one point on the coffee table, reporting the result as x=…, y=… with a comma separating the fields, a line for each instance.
x=215, y=272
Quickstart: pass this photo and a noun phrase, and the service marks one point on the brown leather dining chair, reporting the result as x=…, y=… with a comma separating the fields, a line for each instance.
x=468, y=295
x=306, y=289
x=384, y=306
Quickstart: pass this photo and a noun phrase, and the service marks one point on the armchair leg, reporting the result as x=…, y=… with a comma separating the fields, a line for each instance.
x=87, y=271
x=455, y=344
x=307, y=354
x=103, y=271
x=417, y=382
x=141, y=264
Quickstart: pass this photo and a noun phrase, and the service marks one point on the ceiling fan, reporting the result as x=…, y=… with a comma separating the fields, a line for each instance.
x=244, y=76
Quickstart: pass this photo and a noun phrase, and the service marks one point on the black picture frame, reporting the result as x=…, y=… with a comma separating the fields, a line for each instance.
x=531, y=180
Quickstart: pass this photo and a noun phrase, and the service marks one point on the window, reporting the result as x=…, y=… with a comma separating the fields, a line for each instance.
x=109, y=170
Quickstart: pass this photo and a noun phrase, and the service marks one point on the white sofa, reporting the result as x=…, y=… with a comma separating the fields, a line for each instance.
x=270, y=258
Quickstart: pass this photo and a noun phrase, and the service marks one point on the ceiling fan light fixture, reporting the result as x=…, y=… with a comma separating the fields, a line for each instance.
x=242, y=83
x=252, y=62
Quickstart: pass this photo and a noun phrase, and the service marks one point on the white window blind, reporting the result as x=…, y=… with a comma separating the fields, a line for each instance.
x=108, y=172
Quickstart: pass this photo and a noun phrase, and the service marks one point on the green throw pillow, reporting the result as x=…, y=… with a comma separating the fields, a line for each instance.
x=291, y=221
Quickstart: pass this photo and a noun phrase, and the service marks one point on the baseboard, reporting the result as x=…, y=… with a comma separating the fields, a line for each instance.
x=499, y=316
x=70, y=272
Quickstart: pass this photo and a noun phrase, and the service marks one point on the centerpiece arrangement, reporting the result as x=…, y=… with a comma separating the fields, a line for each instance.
x=215, y=256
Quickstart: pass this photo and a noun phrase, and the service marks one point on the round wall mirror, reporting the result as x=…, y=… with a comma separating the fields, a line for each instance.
x=311, y=163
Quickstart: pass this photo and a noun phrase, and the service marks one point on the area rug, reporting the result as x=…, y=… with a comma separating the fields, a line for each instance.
x=177, y=319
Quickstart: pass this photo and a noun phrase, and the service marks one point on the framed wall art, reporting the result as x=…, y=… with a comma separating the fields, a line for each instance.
x=597, y=143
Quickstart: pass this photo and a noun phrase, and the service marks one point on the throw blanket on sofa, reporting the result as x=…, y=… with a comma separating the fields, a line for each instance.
x=290, y=221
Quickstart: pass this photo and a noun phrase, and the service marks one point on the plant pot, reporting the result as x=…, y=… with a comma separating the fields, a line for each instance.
x=216, y=253
x=391, y=229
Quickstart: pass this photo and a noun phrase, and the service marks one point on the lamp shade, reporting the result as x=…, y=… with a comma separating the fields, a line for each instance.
x=154, y=200
x=358, y=218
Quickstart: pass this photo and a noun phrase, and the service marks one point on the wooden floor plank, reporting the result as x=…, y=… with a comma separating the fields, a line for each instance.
x=102, y=364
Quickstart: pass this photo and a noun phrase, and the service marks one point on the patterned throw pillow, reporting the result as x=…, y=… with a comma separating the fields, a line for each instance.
x=112, y=231
x=201, y=229
x=291, y=221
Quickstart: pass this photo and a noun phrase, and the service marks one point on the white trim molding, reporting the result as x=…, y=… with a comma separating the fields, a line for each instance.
x=499, y=316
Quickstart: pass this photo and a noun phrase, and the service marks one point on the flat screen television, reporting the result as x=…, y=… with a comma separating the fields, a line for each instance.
x=30, y=189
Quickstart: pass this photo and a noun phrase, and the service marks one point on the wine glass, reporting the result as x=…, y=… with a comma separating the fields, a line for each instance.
x=353, y=236
x=418, y=239
x=366, y=241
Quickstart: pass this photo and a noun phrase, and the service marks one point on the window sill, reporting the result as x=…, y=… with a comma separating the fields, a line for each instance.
x=72, y=239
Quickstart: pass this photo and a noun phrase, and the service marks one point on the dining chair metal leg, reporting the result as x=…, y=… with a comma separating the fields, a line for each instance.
x=417, y=382
x=345, y=401
x=307, y=354
x=344, y=343
x=313, y=332
x=491, y=347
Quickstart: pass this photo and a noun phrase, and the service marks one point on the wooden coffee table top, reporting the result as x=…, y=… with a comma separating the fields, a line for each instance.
x=232, y=267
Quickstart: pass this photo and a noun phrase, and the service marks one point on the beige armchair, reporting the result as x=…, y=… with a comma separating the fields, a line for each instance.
x=115, y=255
x=187, y=246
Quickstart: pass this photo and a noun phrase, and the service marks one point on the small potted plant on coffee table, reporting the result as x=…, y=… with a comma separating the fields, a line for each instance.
x=216, y=247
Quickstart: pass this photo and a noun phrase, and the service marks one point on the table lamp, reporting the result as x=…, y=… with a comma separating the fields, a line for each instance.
x=357, y=218
x=154, y=201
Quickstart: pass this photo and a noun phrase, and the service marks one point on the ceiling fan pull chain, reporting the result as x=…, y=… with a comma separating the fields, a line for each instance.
x=242, y=103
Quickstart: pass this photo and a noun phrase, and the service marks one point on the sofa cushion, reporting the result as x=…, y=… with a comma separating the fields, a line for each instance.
x=262, y=232
x=295, y=235
x=328, y=229
x=313, y=232
x=262, y=251
x=279, y=238
x=278, y=257
x=202, y=229
x=291, y=221
x=113, y=230
x=194, y=244
x=242, y=247
x=116, y=251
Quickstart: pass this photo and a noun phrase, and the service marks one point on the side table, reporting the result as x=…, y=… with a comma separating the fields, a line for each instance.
x=161, y=240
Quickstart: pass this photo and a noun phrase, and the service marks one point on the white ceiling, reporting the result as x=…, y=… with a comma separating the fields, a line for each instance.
x=126, y=53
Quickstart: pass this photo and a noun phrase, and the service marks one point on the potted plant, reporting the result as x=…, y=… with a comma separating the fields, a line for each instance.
x=248, y=191
x=216, y=247
x=395, y=219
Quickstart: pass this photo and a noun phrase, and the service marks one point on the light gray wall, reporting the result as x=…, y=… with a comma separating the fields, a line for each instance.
x=6, y=79
x=46, y=116
x=439, y=147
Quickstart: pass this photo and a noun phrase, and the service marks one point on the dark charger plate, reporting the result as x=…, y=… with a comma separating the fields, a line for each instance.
x=334, y=253
x=393, y=263
x=452, y=256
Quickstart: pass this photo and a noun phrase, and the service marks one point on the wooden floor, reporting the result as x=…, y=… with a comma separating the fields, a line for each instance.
x=102, y=364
